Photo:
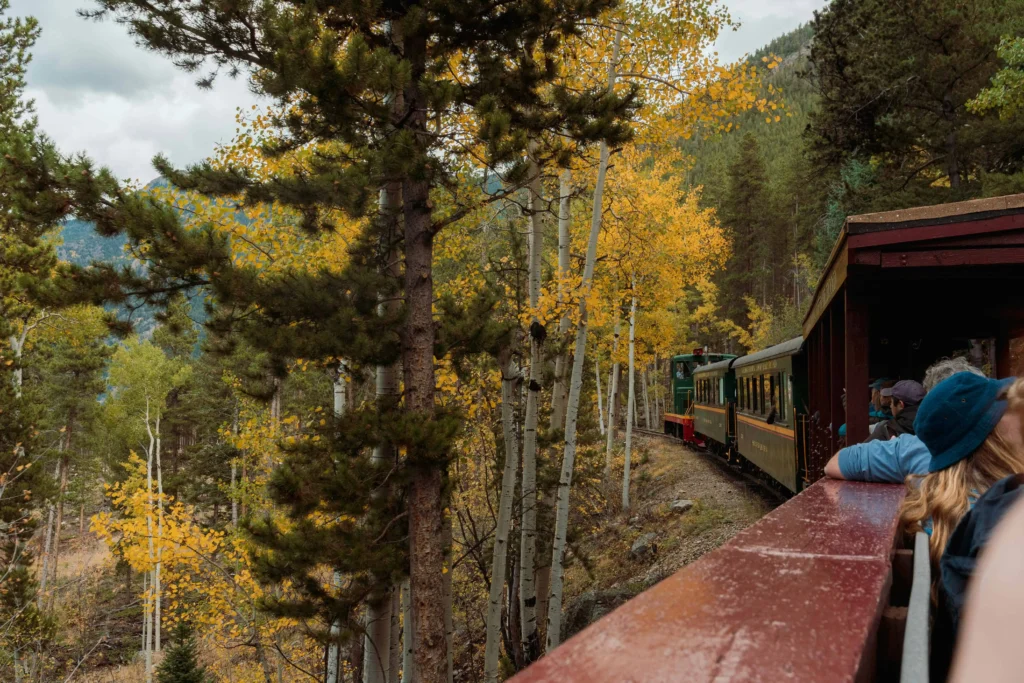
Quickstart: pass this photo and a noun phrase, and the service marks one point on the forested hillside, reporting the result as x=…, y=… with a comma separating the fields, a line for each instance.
x=444, y=266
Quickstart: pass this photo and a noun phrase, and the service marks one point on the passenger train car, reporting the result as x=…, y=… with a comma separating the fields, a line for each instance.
x=752, y=411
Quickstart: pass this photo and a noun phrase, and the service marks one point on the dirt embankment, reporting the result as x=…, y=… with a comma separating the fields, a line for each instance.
x=684, y=505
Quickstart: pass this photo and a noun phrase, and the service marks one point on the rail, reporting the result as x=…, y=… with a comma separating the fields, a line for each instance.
x=800, y=595
x=914, y=668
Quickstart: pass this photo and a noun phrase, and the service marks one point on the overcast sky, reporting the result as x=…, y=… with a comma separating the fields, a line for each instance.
x=97, y=92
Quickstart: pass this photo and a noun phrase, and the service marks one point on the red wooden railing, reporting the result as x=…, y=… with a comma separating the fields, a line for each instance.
x=797, y=596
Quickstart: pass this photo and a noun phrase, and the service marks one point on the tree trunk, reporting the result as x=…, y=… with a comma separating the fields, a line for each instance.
x=528, y=540
x=152, y=553
x=630, y=401
x=613, y=404
x=429, y=470
x=333, y=667
x=600, y=406
x=48, y=542
x=509, y=378
x=160, y=535
x=647, y=402
x=395, y=641
x=65, y=462
x=407, y=650
x=560, y=391
x=446, y=587
x=147, y=627
x=376, y=652
x=554, y=623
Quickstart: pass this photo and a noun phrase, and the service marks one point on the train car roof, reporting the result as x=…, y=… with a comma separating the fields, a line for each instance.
x=712, y=367
x=789, y=348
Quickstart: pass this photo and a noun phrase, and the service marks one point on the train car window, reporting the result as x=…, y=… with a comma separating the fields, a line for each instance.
x=721, y=391
x=754, y=394
x=773, y=397
x=766, y=394
x=781, y=393
x=682, y=370
x=789, y=397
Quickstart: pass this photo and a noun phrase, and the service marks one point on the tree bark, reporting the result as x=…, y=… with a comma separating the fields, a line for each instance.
x=376, y=653
x=407, y=650
x=647, y=402
x=560, y=391
x=333, y=667
x=426, y=512
x=495, y=601
x=528, y=526
x=554, y=622
x=157, y=621
x=395, y=641
x=600, y=406
x=631, y=400
x=613, y=404
x=65, y=462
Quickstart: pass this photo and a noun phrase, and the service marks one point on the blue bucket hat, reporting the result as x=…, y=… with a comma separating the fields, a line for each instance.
x=958, y=415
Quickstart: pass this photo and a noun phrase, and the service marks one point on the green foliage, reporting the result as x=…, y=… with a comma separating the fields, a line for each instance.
x=894, y=80
x=1006, y=93
x=181, y=662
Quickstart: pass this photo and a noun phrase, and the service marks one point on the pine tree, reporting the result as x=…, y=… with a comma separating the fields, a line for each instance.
x=894, y=79
x=181, y=662
x=744, y=215
x=367, y=87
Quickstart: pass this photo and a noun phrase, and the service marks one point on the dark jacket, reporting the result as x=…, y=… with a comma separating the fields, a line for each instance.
x=961, y=556
x=894, y=426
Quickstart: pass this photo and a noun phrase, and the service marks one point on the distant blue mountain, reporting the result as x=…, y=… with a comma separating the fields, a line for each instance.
x=82, y=245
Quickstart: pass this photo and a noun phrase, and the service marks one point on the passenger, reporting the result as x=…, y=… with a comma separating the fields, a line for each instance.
x=989, y=645
x=1004, y=451
x=974, y=442
x=905, y=396
x=892, y=461
x=875, y=410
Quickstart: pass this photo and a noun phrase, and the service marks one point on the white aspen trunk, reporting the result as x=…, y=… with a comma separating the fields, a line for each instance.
x=560, y=392
x=554, y=625
x=528, y=524
x=234, y=468
x=600, y=406
x=613, y=404
x=150, y=531
x=333, y=673
x=47, y=546
x=407, y=646
x=395, y=652
x=157, y=621
x=508, y=485
x=378, y=630
x=630, y=401
x=647, y=402
x=147, y=627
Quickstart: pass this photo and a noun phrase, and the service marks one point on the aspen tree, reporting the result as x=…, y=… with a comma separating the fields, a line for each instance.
x=613, y=401
x=510, y=377
x=554, y=620
x=631, y=400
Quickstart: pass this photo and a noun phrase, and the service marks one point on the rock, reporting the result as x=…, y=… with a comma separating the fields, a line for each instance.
x=681, y=506
x=644, y=546
x=591, y=606
x=634, y=521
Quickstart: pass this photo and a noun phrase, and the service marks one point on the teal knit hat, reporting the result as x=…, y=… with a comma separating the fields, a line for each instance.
x=958, y=415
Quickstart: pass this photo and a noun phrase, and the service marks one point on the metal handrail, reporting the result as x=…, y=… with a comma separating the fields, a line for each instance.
x=914, y=667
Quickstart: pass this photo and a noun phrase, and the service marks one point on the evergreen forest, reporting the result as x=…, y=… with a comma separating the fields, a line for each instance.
x=345, y=399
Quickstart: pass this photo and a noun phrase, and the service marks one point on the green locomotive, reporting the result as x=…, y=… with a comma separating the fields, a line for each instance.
x=682, y=369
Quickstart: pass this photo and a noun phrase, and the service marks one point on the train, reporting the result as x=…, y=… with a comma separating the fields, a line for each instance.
x=750, y=410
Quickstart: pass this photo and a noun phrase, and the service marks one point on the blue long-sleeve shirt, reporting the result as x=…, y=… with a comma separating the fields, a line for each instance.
x=886, y=462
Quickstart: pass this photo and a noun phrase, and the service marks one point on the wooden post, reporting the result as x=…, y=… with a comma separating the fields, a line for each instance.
x=857, y=393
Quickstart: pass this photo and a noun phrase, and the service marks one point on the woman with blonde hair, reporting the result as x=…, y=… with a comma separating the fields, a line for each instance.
x=974, y=441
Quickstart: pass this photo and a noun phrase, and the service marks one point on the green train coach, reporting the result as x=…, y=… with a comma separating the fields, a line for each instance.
x=752, y=410
x=682, y=369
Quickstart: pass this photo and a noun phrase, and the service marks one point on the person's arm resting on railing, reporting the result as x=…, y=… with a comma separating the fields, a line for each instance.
x=887, y=462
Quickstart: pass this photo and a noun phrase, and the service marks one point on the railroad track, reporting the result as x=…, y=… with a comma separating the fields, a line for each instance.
x=766, y=489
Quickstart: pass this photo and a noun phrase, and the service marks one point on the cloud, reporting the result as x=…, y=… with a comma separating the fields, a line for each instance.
x=760, y=22
x=99, y=93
